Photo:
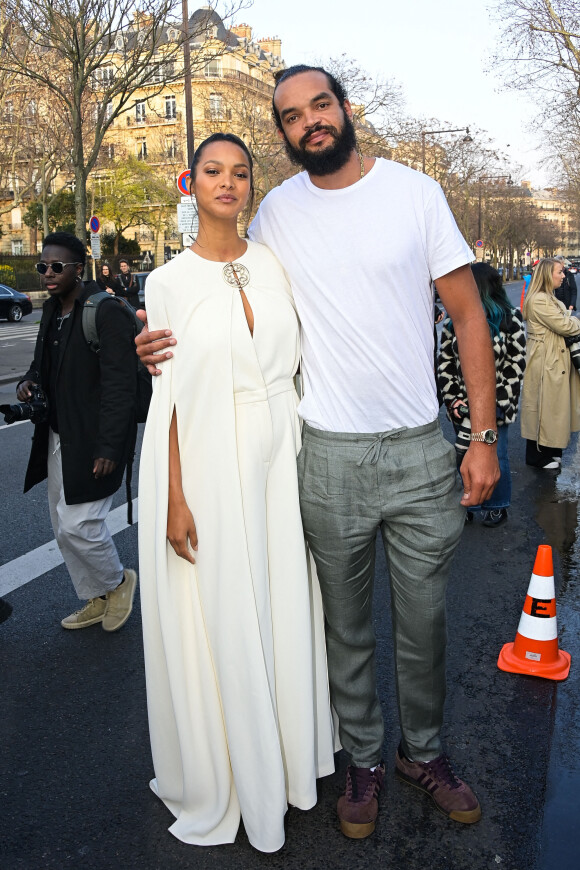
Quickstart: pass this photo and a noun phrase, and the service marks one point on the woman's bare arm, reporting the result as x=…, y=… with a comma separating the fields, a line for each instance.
x=181, y=531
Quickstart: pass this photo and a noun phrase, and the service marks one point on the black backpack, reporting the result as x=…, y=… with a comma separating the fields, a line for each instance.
x=144, y=381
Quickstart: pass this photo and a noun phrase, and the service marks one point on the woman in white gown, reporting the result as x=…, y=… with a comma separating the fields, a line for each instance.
x=233, y=630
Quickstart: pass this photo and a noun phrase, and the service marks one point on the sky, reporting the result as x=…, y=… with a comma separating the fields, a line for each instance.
x=438, y=52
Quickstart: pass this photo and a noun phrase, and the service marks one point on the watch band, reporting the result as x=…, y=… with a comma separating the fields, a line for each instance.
x=488, y=436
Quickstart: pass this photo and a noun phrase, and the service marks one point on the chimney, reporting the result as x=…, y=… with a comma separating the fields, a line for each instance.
x=271, y=44
x=242, y=31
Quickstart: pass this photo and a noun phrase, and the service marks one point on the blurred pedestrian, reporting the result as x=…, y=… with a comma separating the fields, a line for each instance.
x=509, y=346
x=129, y=288
x=567, y=291
x=107, y=281
x=87, y=433
x=551, y=390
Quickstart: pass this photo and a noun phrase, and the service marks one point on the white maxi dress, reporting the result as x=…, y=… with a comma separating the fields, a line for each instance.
x=237, y=687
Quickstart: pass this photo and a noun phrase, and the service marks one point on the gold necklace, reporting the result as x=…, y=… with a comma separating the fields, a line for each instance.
x=362, y=165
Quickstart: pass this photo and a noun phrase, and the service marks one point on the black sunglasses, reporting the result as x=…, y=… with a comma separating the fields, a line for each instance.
x=56, y=267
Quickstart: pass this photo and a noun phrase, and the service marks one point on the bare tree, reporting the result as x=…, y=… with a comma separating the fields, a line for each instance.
x=93, y=56
x=540, y=47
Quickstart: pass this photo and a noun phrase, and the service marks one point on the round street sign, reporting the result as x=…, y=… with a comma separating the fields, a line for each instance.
x=94, y=224
x=183, y=182
x=479, y=243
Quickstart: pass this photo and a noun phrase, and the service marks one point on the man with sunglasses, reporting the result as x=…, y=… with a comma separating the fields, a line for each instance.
x=83, y=446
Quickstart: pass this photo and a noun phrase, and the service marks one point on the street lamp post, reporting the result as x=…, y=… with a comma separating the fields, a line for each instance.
x=467, y=138
x=187, y=82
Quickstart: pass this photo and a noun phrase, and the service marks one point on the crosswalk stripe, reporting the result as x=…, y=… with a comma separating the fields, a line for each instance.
x=33, y=564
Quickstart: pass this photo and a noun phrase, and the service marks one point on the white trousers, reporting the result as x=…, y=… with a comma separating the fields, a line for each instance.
x=82, y=534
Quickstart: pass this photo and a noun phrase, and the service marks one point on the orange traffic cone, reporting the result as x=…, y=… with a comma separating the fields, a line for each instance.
x=535, y=649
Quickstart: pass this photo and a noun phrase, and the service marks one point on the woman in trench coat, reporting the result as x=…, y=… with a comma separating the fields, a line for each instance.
x=551, y=389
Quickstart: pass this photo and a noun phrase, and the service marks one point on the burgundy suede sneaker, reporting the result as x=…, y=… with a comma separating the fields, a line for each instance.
x=358, y=807
x=450, y=794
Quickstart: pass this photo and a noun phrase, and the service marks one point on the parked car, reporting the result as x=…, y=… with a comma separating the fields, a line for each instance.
x=141, y=278
x=14, y=305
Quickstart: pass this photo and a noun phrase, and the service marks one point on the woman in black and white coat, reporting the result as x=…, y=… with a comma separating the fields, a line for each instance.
x=509, y=347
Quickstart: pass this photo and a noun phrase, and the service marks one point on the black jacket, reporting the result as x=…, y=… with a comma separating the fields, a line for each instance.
x=95, y=401
x=567, y=292
x=129, y=288
x=111, y=283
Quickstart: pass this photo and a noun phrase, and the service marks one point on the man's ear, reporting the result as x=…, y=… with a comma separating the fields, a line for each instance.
x=280, y=133
x=347, y=108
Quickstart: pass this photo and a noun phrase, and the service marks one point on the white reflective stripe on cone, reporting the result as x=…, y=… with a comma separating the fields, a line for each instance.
x=538, y=628
x=541, y=587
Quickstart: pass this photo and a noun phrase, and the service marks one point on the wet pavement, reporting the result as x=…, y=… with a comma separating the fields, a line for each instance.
x=556, y=511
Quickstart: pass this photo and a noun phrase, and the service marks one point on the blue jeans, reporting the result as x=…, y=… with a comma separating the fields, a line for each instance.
x=502, y=495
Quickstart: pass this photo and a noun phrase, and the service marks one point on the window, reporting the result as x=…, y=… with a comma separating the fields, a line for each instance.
x=172, y=147
x=107, y=113
x=141, y=149
x=119, y=43
x=105, y=74
x=216, y=106
x=16, y=218
x=170, y=108
x=9, y=110
x=17, y=247
x=140, y=112
x=155, y=72
x=213, y=68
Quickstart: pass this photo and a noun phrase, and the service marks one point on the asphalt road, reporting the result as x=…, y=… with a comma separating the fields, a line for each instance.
x=73, y=730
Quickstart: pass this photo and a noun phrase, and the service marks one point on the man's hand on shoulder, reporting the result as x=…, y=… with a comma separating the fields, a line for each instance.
x=480, y=473
x=150, y=343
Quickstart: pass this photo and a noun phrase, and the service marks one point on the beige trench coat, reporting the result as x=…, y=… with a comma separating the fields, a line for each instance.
x=551, y=390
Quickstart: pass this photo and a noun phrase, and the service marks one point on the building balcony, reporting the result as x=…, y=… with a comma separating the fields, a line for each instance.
x=236, y=75
x=153, y=120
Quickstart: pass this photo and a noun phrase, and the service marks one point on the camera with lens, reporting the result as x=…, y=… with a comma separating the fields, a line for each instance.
x=573, y=345
x=35, y=410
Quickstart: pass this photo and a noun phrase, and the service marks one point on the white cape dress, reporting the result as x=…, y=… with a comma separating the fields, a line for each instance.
x=237, y=688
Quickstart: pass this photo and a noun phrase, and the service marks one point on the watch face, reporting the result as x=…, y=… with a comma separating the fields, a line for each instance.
x=490, y=436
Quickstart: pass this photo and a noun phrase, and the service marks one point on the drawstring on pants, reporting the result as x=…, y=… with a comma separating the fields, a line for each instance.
x=374, y=449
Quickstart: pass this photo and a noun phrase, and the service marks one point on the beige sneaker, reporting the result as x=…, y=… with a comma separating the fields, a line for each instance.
x=120, y=602
x=92, y=612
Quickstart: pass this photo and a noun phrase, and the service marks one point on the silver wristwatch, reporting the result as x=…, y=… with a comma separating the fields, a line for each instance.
x=488, y=436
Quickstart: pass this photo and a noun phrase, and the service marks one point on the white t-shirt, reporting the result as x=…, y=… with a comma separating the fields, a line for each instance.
x=361, y=261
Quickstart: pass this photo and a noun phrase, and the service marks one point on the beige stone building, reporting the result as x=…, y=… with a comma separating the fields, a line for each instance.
x=232, y=82
x=554, y=207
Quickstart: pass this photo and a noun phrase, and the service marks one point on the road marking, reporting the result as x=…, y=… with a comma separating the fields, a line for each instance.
x=33, y=564
x=12, y=425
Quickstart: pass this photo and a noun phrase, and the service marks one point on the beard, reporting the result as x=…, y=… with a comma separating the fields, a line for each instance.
x=327, y=160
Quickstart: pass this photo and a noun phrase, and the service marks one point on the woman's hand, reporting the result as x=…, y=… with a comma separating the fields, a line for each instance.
x=150, y=343
x=181, y=531
x=454, y=408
